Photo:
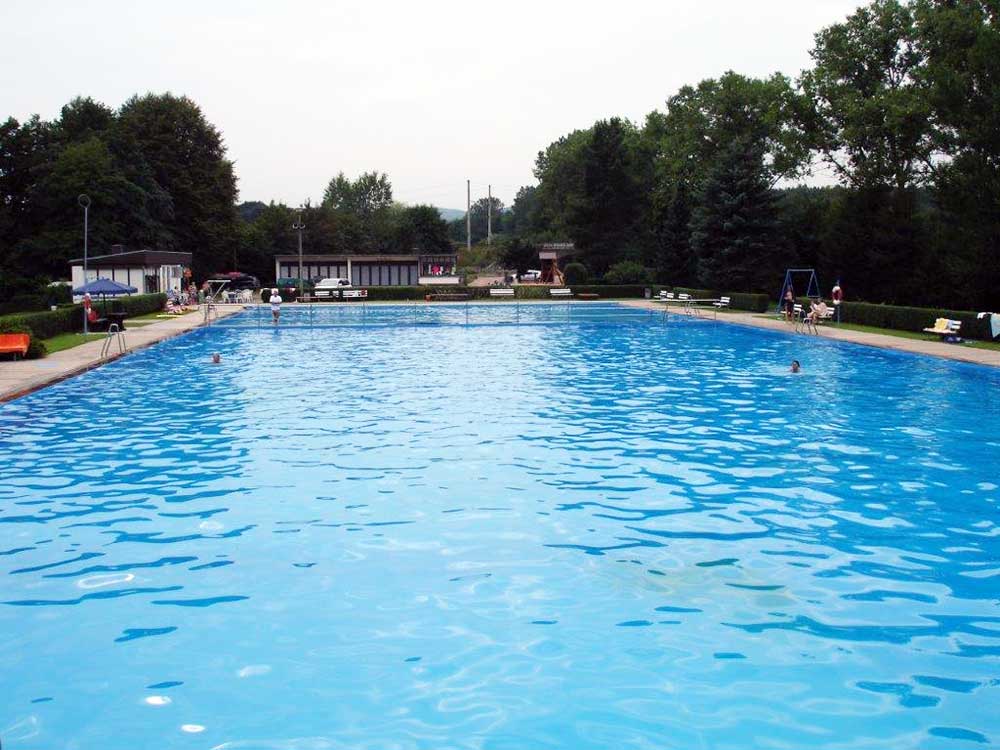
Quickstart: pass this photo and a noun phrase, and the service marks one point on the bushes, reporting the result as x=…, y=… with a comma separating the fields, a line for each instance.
x=32, y=301
x=36, y=349
x=143, y=304
x=628, y=272
x=912, y=318
x=45, y=325
x=576, y=273
x=738, y=300
x=69, y=319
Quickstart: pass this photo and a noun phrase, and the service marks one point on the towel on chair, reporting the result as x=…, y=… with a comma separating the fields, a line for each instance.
x=994, y=322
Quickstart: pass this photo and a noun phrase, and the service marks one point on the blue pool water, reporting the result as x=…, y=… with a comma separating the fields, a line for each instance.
x=554, y=527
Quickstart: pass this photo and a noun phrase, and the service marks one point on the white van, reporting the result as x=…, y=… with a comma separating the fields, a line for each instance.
x=330, y=287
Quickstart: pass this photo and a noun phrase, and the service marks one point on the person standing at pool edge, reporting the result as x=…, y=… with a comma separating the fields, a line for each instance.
x=275, y=306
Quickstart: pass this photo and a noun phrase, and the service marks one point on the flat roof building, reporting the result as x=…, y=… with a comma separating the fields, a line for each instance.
x=372, y=270
x=149, y=271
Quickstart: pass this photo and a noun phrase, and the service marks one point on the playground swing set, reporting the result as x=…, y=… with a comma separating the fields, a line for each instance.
x=812, y=288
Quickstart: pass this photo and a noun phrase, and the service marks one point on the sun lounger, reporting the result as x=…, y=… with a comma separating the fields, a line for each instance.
x=947, y=329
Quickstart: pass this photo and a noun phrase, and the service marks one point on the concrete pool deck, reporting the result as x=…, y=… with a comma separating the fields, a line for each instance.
x=882, y=341
x=26, y=375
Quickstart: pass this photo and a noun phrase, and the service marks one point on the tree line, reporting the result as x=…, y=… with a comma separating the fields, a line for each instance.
x=155, y=171
x=899, y=106
x=157, y=176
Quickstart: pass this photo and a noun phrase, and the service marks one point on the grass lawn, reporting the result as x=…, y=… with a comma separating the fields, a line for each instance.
x=992, y=345
x=69, y=340
x=918, y=336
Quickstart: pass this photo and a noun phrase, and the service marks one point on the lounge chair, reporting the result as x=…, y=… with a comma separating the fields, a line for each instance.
x=947, y=329
x=723, y=302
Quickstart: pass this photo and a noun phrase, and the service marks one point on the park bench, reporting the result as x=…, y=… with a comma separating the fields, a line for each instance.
x=587, y=296
x=561, y=292
x=14, y=343
x=501, y=292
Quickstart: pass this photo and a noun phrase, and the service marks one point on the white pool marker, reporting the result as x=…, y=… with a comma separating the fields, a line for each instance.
x=158, y=700
x=253, y=670
x=192, y=728
x=109, y=579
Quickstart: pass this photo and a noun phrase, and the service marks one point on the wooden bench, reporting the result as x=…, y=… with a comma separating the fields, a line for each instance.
x=501, y=292
x=561, y=292
x=449, y=297
x=14, y=343
x=587, y=296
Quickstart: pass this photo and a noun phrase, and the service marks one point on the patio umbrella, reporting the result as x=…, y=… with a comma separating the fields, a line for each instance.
x=106, y=288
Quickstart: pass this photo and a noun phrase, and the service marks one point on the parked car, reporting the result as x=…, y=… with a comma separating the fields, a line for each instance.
x=237, y=281
x=330, y=287
x=291, y=285
x=531, y=275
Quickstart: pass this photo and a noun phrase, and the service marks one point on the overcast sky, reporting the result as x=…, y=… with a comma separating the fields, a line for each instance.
x=431, y=93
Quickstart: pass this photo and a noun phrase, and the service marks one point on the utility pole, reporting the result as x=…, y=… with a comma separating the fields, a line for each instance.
x=489, y=215
x=298, y=226
x=84, y=201
x=468, y=214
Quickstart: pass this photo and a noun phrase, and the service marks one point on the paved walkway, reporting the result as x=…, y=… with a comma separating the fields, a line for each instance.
x=24, y=376
x=917, y=346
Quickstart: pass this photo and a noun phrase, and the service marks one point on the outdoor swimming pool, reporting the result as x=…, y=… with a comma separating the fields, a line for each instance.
x=601, y=531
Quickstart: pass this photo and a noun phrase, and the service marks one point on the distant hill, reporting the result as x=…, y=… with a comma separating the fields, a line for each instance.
x=450, y=214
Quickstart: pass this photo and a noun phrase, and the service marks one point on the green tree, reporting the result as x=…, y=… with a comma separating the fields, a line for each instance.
x=870, y=113
x=186, y=156
x=602, y=221
x=627, y=272
x=422, y=229
x=961, y=44
x=732, y=228
x=559, y=170
x=368, y=199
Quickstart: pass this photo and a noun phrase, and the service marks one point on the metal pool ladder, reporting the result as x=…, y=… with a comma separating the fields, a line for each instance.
x=114, y=334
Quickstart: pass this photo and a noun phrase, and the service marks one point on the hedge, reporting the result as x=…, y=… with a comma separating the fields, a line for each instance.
x=737, y=300
x=36, y=349
x=45, y=325
x=912, y=318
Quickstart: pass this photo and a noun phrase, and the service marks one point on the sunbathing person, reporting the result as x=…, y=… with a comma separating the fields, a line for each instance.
x=818, y=310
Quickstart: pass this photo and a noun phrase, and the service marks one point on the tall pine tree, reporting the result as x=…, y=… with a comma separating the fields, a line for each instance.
x=732, y=227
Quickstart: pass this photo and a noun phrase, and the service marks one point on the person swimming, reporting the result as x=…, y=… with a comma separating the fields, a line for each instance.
x=216, y=358
x=796, y=366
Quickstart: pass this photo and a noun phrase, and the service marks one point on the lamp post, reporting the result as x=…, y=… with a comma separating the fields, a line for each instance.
x=84, y=200
x=298, y=226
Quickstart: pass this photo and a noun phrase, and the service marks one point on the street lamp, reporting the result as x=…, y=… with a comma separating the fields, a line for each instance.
x=298, y=226
x=84, y=200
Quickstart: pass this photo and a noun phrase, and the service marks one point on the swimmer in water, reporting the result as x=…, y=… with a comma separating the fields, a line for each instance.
x=796, y=366
x=216, y=358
